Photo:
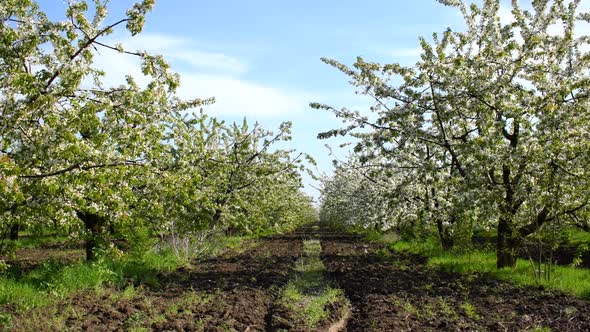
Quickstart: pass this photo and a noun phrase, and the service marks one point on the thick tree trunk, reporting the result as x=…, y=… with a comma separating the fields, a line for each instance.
x=509, y=238
x=95, y=225
x=14, y=229
x=91, y=245
x=507, y=244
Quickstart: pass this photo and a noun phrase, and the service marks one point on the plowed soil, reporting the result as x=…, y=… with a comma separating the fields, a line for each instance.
x=233, y=292
x=388, y=291
x=400, y=293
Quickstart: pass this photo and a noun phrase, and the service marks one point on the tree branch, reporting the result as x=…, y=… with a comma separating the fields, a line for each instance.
x=81, y=167
x=89, y=42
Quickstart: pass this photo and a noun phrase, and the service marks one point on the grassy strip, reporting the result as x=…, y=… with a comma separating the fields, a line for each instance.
x=36, y=241
x=308, y=294
x=54, y=280
x=570, y=280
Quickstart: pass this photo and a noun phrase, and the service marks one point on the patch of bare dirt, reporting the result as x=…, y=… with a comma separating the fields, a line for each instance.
x=400, y=293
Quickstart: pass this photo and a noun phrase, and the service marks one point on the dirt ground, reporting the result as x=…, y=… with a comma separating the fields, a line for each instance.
x=400, y=293
x=232, y=292
x=237, y=291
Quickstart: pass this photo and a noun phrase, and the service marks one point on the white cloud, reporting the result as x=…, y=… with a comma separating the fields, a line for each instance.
x=203, y=75
x=179, y=49
x=236, y=97
x=117, y=66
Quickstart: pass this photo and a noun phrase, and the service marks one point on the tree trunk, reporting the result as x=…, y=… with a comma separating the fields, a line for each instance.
x=14, y=229
x=215, y=219
x=508, y=237
x=231, y=231
x=507, y=244
x=446, y=240
x=95, y=225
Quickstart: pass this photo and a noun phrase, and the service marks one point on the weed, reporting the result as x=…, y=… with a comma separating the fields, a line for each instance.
x=470, y=310
x=428, y=287
x=570, y=311
x=139, y=329
x=410, y=309
x=312, y=247
x=157, y=319
x=172, y=308
x=395, y=301
x=129, y=293
x=383, y=253
x=540, y=329
x=446, y=308
x=187, y=301
x=373, y=324
x=134, y=321
x=5, y=321
x=372, y=235
x=194, y=298
x=427, y=311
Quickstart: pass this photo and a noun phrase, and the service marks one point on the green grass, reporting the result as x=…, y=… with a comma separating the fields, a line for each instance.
x=370, y=234
x=429, y=247
x=50, y=282
x=570, y=280
x=312, y=248
x=237, y=244
x=308, y=293
x=54, y=280
x=22, y=295
x=188, y=301
x=31, y=241
x=8, y=247
x=311, y=308
x=40, y=241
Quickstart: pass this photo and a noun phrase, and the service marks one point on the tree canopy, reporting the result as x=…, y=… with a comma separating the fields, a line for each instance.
x=491, y=124
x=76, y=152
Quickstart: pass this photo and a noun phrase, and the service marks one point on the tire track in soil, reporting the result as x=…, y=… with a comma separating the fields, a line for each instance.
x=281, y=318
x=245, y=286
x=400, y=293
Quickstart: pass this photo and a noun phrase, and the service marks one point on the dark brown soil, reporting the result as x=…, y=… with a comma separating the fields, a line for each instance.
x=233, y=292
x=400, y=293
x=26, y=259
x=237, y=292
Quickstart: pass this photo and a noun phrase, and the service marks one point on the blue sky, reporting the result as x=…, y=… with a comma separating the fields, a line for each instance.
x=261, y=58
